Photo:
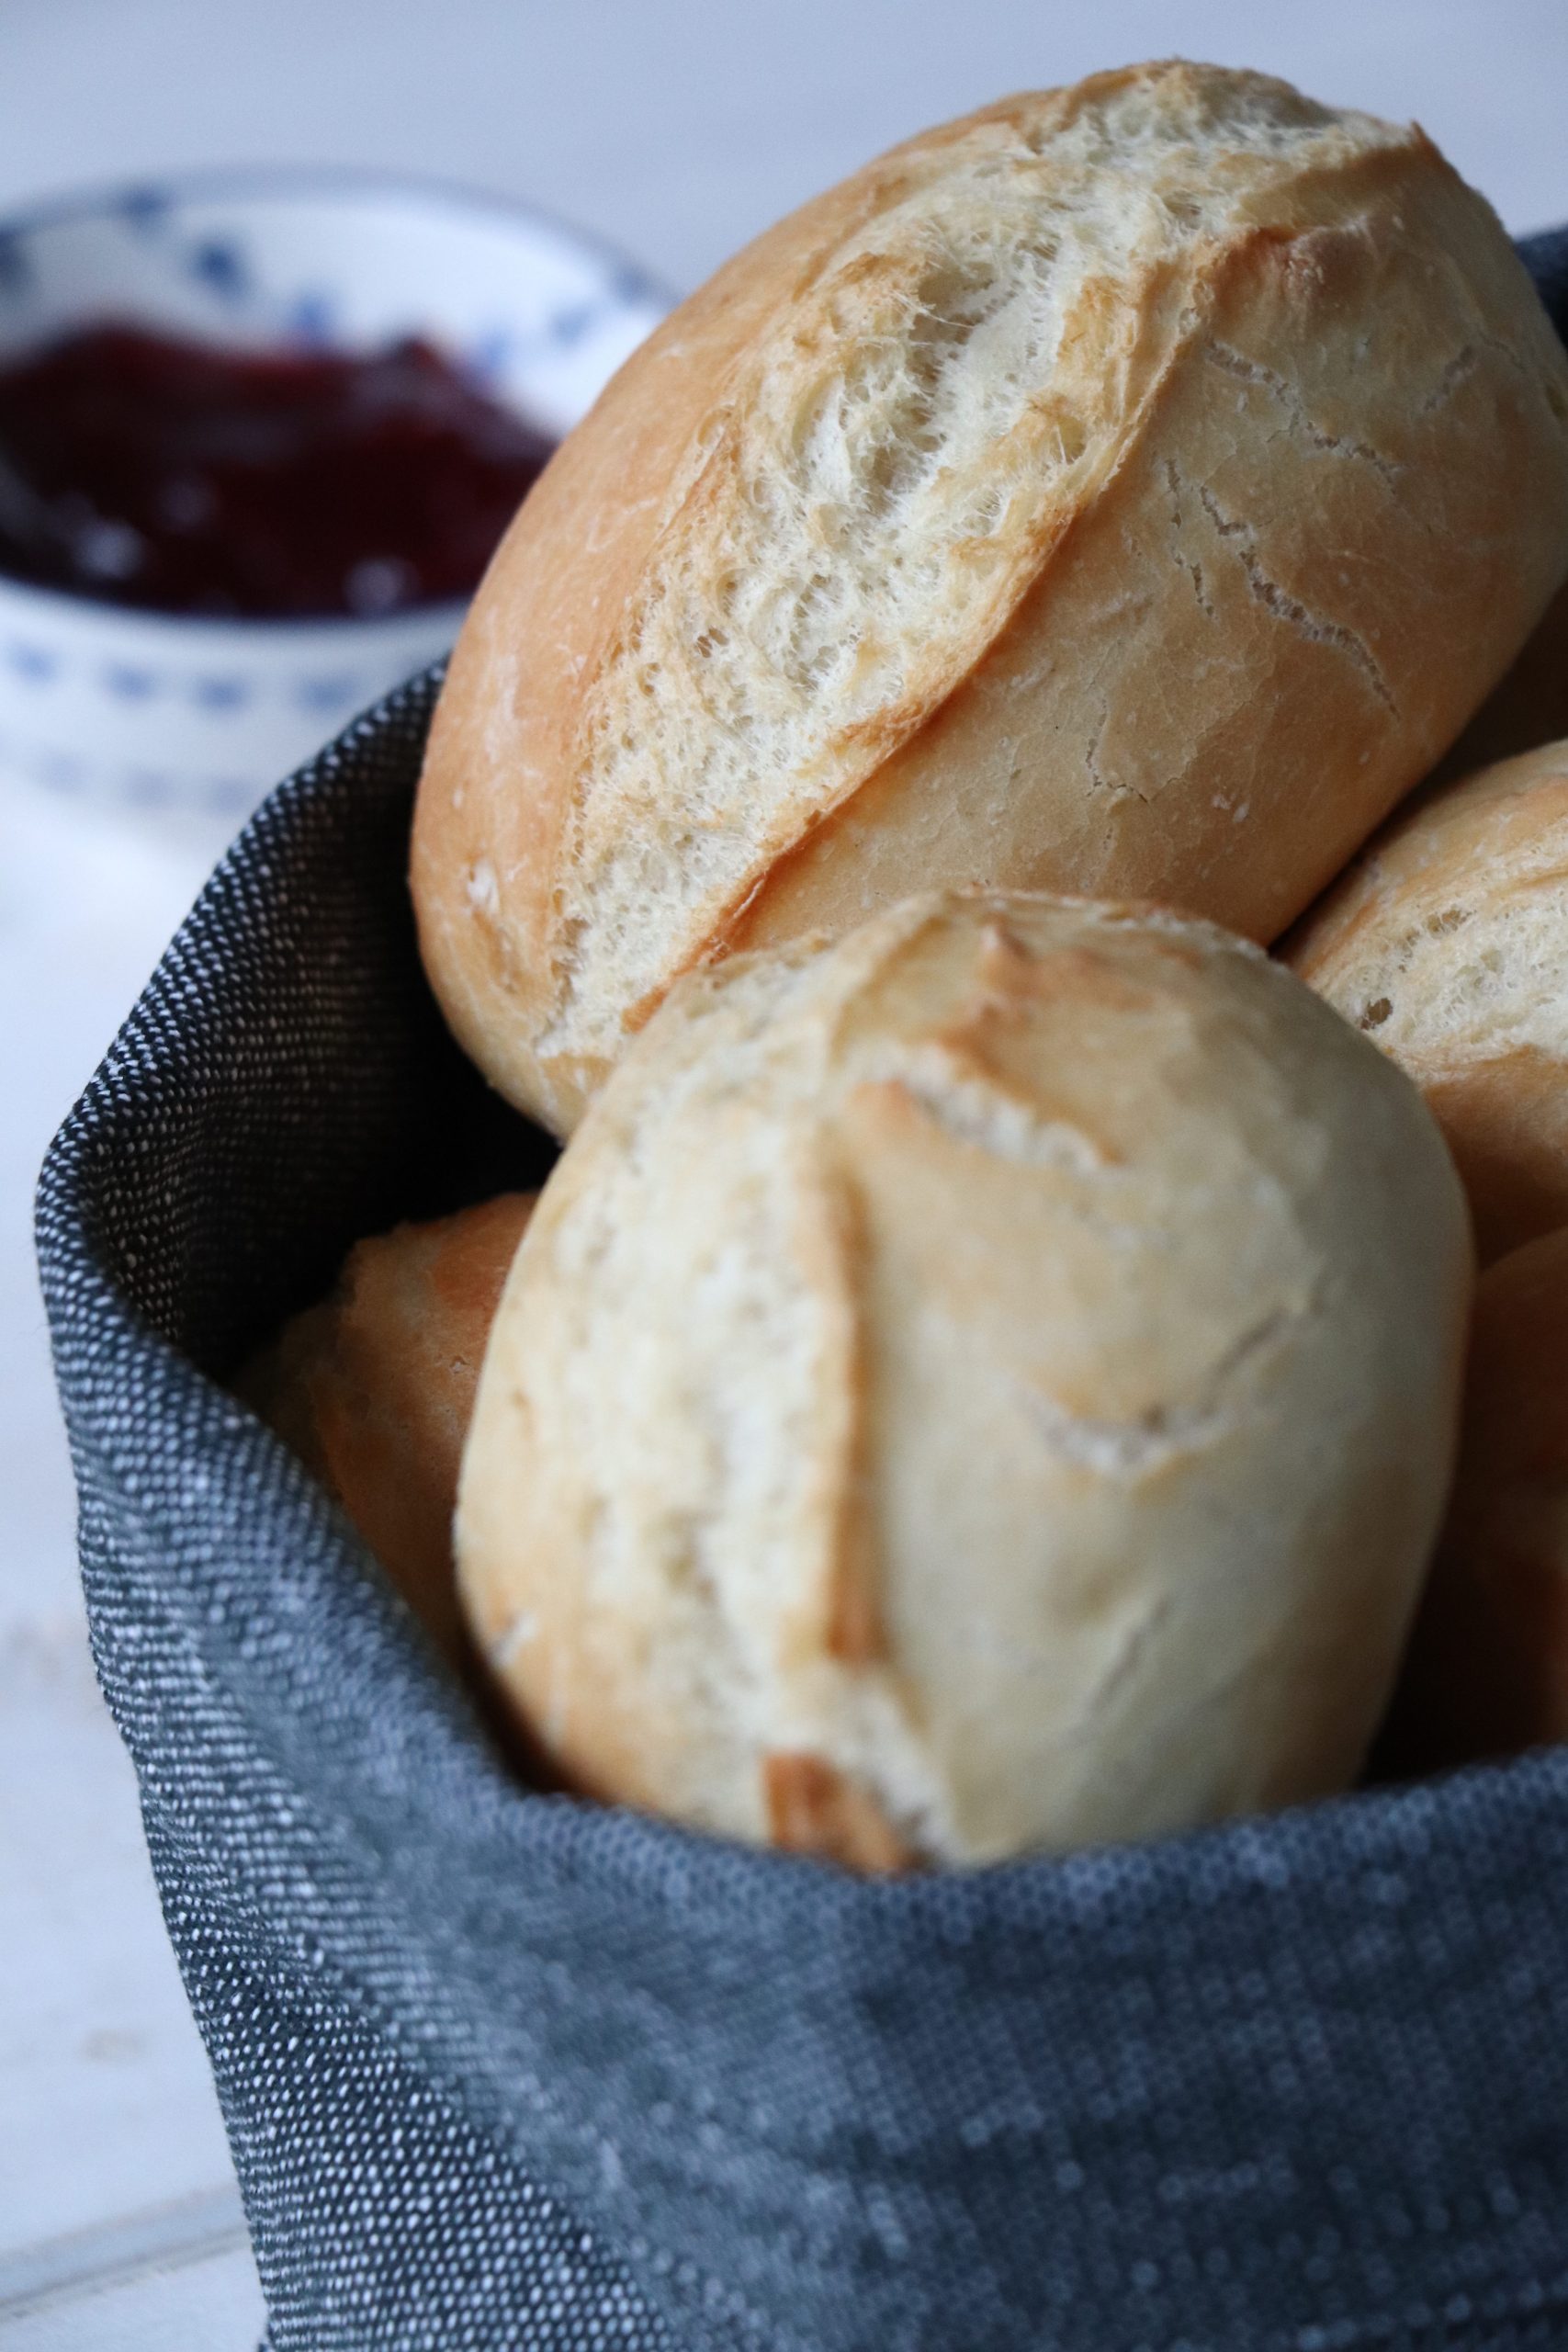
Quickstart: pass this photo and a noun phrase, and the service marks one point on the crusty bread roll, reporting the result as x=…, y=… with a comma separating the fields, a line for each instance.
x=1488, y=1672
x=1131, y=488
x=1446, y=941
x=373, y=1389
x=981, y=1386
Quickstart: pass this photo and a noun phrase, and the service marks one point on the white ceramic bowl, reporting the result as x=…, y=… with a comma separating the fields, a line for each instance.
x=197, y=718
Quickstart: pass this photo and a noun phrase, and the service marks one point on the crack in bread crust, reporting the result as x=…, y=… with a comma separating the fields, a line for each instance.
x=1315, y=627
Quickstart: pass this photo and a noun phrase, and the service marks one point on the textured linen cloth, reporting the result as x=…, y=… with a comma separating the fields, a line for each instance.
x=506, y=2070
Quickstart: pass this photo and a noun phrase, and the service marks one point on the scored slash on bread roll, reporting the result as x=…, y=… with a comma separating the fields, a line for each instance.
x=373, y=1389
x=983, y=1386
x=1487, y=1670
x=1131, y=488
x=1446, y=942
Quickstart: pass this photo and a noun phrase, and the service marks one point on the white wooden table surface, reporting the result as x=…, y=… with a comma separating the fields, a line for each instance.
x=676, y=126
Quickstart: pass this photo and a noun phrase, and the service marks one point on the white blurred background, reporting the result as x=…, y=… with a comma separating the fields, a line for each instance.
x=677, y=128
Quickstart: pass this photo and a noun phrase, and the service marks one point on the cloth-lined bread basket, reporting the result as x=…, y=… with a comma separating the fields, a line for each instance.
x=506, y=2069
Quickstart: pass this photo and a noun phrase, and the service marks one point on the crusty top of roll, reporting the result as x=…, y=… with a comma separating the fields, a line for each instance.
x=1446, y=942
x=1128, y=488
x=986, y=1385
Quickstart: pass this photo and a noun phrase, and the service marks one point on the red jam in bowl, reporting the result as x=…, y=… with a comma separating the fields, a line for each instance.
x=141, y=470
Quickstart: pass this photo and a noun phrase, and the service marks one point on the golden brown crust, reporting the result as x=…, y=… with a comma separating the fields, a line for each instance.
x=812, y=1809
x=845, y=1617
x=374, y=1389
x=1446, y=942
x=1144, y=678
x=1487, y=1671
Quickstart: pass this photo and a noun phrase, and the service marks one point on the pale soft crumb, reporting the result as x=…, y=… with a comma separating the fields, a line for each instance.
x=1471, y=981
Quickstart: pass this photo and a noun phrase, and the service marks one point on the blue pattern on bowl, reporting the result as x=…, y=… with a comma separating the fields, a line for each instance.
x=155, y=711
x=231, y=278
x=33, y=663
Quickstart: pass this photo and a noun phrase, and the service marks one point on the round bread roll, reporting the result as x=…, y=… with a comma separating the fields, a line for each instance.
x=1130, y=489
x=1488, y=1672
x=982, y=1387
x=1446, y=941
x=373, y=1389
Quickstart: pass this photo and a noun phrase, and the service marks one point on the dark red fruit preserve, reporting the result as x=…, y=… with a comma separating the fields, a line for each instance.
x=141, y=470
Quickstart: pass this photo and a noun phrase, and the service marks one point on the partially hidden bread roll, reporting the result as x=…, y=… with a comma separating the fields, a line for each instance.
x=985, y=1386
x=1128, y=488
x=373, y=1389
x=1487, y=1671
x=1446, y=942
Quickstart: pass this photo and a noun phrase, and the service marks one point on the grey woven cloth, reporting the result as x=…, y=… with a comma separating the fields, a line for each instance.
x=503, y=2069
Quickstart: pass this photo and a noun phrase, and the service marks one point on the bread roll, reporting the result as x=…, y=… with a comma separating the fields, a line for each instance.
x=1446, y=941
x=982, y=1387
x=1131, y=489
x=1487, y=1673
x=373, y=1389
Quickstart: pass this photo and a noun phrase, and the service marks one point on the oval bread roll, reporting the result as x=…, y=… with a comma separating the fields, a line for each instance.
x=1446, y=941
x=1129, y=489
x=1487, y=1673
x=982, y=1387
x=373, y=1389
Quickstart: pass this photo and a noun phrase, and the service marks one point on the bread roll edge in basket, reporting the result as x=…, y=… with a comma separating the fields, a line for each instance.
x=981, y=1386
x=1130, y=489
x=1444, y=942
